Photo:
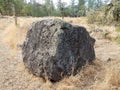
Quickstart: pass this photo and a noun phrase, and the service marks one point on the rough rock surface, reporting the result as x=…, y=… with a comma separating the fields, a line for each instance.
x=54, y=49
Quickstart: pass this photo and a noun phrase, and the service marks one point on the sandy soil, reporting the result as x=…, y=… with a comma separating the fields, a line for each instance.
x=14, y=76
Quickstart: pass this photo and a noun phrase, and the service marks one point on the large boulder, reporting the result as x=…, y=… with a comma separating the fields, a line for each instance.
x=54, y=49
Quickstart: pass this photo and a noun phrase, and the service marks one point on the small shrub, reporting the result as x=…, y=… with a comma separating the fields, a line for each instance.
x=117, y=39
x=117, y=29
x=91, y=17
x=96, y=17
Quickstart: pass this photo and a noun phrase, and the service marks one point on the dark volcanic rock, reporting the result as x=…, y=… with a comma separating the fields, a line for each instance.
x=54, y=49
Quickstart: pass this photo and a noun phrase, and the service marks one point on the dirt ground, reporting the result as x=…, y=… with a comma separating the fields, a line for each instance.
x=13, y=74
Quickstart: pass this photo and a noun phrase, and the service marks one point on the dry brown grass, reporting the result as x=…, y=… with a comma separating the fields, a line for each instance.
x=14, y=35
x=10, y=36
x=110, y=77
x=99, y=76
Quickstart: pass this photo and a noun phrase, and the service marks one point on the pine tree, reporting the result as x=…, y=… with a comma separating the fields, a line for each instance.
x=61, y=7
x=49, y=7
x=73, y=7
x=81, y=8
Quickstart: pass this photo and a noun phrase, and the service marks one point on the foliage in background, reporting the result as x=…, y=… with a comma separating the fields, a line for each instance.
x=106, y=14
x=35, y=9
